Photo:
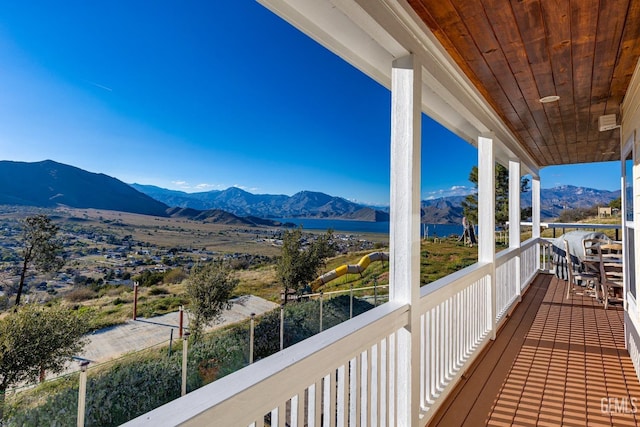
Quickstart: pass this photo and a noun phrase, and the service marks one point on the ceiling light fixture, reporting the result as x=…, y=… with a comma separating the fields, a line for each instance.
x=550, y=98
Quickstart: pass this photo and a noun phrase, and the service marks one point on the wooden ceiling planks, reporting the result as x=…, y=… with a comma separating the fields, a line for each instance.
x=516, y=52
x=629, y=51
x=560, y=115
x=609, y=34
x=488, y=39
x=512, y=47
x=532, y=28
x=583, y=38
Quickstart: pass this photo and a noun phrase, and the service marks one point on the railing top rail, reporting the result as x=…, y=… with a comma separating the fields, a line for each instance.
x=574, y=225
x=532, y=241
x=507, y=254
x=449, y=283
x=277, y=377
x=343, y=291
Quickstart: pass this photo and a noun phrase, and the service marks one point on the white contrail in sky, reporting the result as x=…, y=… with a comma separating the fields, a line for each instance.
x=99, y=85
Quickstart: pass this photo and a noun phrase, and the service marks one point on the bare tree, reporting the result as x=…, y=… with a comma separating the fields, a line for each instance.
x=41, y=249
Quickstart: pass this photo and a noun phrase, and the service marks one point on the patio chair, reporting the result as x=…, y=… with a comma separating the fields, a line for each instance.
x=589, y=246
x=611, y=275
x=575, y=275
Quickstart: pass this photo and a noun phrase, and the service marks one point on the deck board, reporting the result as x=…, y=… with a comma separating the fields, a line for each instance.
x=555, y=362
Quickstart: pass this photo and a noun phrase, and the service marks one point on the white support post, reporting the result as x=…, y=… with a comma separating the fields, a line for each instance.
x=634, y=262
x=404, y=233
x=623, y=206
x=632, y=234
x=629, y=286
x=535, y=214
x=514, y=218
x=487, y=216
x=635, y=206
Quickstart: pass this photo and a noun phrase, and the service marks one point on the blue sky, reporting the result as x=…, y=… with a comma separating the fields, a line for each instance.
x=205, y=95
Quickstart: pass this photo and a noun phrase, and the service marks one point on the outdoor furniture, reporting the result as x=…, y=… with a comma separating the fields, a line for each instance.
x=589, y=246
x=575, y=240
x=611, y=275
x=574, y=273
x=590, y=258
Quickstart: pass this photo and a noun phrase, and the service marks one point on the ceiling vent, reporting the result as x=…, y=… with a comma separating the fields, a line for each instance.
x=607, y=122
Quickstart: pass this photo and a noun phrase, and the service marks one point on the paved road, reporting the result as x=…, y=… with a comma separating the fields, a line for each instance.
x=134, y=335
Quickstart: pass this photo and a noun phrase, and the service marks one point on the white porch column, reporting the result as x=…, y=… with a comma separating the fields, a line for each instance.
x=535, y=213
x=514, y=218
x=404, y=232
x=487, y=216
x=623, y=221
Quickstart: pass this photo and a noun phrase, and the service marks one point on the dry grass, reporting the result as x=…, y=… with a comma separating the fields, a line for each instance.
x=80, y=294
x=115, y=304
x=260, y=282
x=175, y=232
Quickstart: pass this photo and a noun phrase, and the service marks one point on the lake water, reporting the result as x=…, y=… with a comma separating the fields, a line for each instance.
x=432, y=230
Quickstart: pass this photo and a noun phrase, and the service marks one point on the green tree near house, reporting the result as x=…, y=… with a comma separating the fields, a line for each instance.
x=35, y=339
x=209, y=288
x=616, y=203
x=41, y=248
x=298, y=265
x=470, y=204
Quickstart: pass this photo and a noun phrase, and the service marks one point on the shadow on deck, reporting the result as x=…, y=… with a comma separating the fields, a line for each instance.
x=555, y=362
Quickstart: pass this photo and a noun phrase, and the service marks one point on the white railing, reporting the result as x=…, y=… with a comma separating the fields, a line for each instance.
x=530, y=260
x=347, y=375
x=507, y=282
x=455, y=324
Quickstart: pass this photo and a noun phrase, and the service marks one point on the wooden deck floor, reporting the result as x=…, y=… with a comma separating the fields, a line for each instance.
x=556, y=362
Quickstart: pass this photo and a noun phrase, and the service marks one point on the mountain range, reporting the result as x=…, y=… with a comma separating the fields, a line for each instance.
x=51, y=184
x=552, y=202
x=305, y=204
x=444, y=210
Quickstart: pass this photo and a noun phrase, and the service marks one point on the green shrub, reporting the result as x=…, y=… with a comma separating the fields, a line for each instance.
x=219, y=354
x=158, y=290
x=124, y=392
x=149, y=278
x=80, y=294
x=112, y=290
x=175, y=275
x=301, y=321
